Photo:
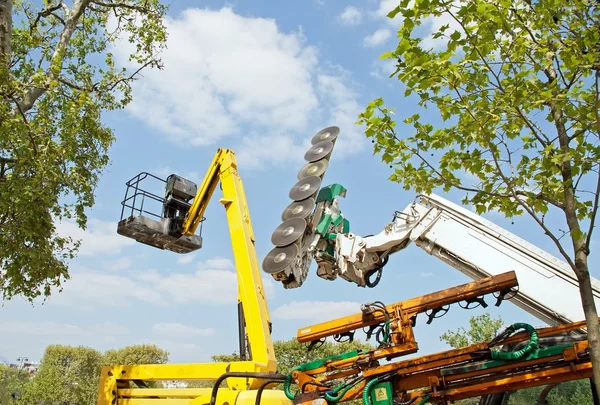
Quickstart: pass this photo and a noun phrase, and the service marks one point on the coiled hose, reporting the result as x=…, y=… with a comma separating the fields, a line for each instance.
x=525, y=351
x=366, y=397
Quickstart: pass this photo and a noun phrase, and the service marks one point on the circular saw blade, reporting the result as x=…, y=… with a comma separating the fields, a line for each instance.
x=318, y=151
x=326, y=134
x=279, y=258
x=288, y=232
x=305, y=188
x=298, y=209
x=313, y=169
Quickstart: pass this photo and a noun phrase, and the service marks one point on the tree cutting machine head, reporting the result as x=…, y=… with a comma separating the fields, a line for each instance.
x=311, y=222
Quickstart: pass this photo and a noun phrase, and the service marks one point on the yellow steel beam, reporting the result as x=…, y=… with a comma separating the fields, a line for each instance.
x=166, y=392
x=225, y=397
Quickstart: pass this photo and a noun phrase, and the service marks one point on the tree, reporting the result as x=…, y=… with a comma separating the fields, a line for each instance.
x=137, y=354
x=12, y=383
x=70, y=375
x=57, y=77
x=516, y=84
x=67, y=375
x=483, y=328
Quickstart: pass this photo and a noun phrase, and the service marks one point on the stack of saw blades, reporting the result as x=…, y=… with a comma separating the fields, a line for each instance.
x=287, y=262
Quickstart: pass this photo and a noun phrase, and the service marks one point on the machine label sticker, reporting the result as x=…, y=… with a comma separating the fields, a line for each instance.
x=380, y=394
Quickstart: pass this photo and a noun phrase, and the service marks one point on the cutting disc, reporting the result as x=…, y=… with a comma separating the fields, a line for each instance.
x=298, y=209
x=305, y=188
x=318, y=151
x=288, y=232
x=279, y=258
x=327, y=134
x=313, y=169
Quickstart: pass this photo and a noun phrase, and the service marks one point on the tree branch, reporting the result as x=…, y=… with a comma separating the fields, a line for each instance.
x=588, y=240
x=532, y=213
x=597, y=103
x=57, y=57
x=45, y=13
x=122, y=5
x=29, y=134
x=541, y=138
x=74, y=85
x=440, y=175
x=132, y=76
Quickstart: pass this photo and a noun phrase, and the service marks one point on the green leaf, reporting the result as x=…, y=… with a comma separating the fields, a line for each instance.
x=394, y=12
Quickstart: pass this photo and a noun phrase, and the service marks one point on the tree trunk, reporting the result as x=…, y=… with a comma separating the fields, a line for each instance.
x=5, y=36
x=591, y=314
x=580, y=248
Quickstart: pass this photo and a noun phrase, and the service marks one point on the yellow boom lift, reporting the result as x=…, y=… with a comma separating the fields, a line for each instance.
x=314, y=228
x=175, y=230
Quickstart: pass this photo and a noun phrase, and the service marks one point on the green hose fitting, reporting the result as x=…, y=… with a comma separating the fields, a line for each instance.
x=366, y=397
x=518, y=354
x=311, y=365
x=343, y=388
x=286, y=388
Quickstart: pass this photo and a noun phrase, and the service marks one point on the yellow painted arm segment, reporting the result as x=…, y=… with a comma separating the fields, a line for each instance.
x=251, y=289
x=203, y=196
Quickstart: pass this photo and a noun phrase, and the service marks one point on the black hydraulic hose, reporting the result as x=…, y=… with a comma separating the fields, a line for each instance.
x=266, y=376
x=262, y=388
x=379, y=271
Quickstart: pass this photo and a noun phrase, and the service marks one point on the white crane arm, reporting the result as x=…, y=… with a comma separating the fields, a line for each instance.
x=548, y=288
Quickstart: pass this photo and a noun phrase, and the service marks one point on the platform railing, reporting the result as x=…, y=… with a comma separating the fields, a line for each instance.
x=139, y=195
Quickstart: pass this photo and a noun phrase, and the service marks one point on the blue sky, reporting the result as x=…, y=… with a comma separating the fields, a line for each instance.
x=261, y=78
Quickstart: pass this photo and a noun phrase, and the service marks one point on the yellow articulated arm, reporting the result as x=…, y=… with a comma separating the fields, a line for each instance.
x=115, y=382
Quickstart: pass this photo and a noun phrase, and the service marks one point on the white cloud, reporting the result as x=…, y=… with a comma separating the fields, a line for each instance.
x=274, y=149
x=50, y=328
x=383, y=68
x=238, y=79
x=186, y=259
x=343, y=109
x=180, y=330
x=378, y=37
x=215, y=282
x=88, y=285
x=39, y=328
x=425, y=275
x=316, y=311
x=166, y=171
x=100, y=237
x=350, y=16
x=122, y=263
x=220, y=263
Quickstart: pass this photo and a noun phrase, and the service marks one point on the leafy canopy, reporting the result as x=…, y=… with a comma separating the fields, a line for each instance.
x=70, y=375
x=482, y=329
x=59, y=77
x=516, y=86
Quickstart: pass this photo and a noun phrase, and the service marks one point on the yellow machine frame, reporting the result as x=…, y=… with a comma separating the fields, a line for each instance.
x=115, y=381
